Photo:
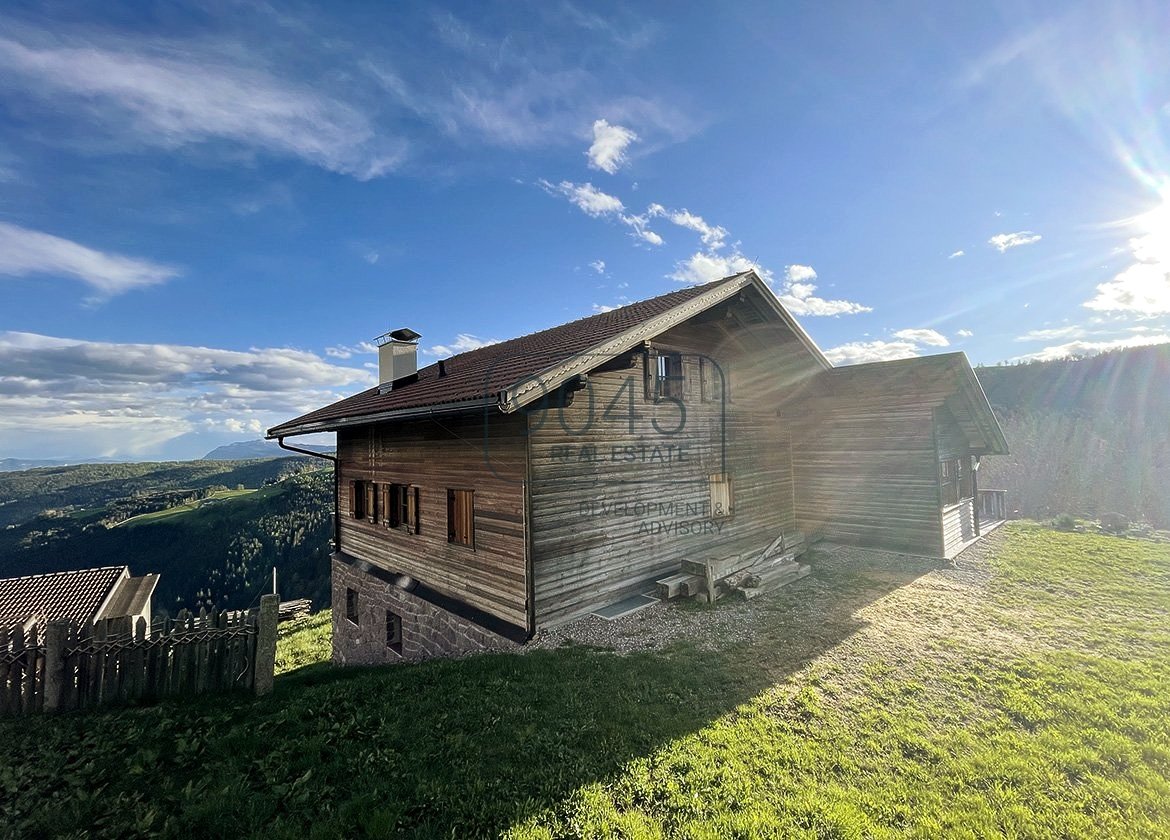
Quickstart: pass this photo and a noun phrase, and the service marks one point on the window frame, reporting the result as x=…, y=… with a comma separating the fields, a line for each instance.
x=394, y=631
x=352, y=610
x=454, y=495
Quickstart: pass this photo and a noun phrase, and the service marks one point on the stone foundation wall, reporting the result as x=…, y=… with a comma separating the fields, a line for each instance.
x=427, y=630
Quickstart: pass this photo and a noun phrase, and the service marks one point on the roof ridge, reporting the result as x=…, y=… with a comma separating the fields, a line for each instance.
x=616, y=309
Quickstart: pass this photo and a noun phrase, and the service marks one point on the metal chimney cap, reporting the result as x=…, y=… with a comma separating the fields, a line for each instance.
x=405, y=334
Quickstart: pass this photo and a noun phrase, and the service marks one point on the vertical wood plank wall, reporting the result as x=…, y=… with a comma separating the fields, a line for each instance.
x=446, y=452
x=958, y=521
x=603, y=525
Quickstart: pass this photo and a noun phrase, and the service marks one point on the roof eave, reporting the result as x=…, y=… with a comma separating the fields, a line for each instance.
x=459, y=407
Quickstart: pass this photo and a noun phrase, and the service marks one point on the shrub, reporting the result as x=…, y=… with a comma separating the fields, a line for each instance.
x=1065, y=522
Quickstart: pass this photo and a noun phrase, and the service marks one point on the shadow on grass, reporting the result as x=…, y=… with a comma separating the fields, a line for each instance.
x=446, y=748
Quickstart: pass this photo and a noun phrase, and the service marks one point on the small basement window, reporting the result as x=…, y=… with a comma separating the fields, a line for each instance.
x=721, y=498
x=461, y=517
x=394, y=631
x=351, y=605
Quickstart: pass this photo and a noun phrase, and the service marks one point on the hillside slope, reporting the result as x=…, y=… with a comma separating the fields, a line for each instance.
x=1088, y=436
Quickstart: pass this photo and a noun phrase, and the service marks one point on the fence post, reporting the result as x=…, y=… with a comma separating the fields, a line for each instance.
x=56, y=634
x=265, y=665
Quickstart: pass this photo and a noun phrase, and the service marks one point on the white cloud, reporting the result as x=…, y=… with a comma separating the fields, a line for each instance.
x=1053, y=334
x=932, y=338
x=608, y=151
x=1003, y=241
x=168, y=94
x=1091, y=348
x=956, y=254
x=586, y=197
x=964, y=333
x=604, y=307
x=1143, y=288
x=371, y=257
x=712, y=236
x=705, y=267
x=25, y=252
x=462, y=343
x=74, y=395
x=798, y=295
x=858, y=352
x=343, y=351
x=598, y=266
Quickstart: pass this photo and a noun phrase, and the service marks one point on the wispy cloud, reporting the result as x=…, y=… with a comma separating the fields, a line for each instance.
x=25, y=252
x=954, y=255
x=1004, y=241
x=608, y=150
x=586, y=198
x=462, y=343
x=712, y=236
x=598, y=266
x=1143, y=288
x=169, y=94
x=345, y=351
x=1052, y=334
x=605, y=307
x=127, y=399
x=964, y=333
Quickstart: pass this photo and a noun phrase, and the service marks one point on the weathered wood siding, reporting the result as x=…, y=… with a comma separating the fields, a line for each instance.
x=484, y=454
x=958, y=525
x=867, y=472
x=616, y=502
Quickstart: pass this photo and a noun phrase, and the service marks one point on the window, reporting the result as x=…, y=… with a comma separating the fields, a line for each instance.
x=715, y=381
x=357, y=499
x=950, y=480
x=720, y=485
x=400, y=507
x=461, y=517
x=665, y=378
x=351, y=605
x=394, y=631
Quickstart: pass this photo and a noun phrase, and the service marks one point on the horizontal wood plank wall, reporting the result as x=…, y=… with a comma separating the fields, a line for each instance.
x=435, y=455
x=952, y=441
x=867, y=473
x=604, y=521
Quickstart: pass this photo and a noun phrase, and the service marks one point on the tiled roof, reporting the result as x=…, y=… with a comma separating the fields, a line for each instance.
x=71, y=596
x=482, y=373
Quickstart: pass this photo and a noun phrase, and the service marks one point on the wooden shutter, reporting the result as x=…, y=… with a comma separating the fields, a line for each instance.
x=461, y=517
x=650, y=374
x=412, y=509
x=371, y=501
x=353, y=503
x=721, y=501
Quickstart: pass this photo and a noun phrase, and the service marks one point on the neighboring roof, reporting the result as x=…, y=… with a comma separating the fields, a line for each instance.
x=512, y=373
x=71, y=596
x=132, y=597
x=944, y=379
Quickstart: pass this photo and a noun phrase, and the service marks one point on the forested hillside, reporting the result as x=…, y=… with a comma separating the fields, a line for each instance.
x=1088, y=436
x=212, y=530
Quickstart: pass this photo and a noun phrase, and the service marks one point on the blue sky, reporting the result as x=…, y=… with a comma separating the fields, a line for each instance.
x=207, y=210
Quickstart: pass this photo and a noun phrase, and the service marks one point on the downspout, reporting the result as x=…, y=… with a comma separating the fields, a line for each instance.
x=336, y=487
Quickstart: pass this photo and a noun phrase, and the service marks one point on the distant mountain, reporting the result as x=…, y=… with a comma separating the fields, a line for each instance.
x=249, y=449
x=1087, y=436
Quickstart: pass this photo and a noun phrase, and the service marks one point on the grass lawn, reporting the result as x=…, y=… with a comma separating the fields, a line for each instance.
x=1024, y=694
x=182, y=510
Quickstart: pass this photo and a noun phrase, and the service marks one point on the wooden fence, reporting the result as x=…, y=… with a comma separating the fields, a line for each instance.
x=59, y=666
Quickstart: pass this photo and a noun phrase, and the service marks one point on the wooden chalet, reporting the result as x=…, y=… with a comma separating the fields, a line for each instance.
x=531, y=482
